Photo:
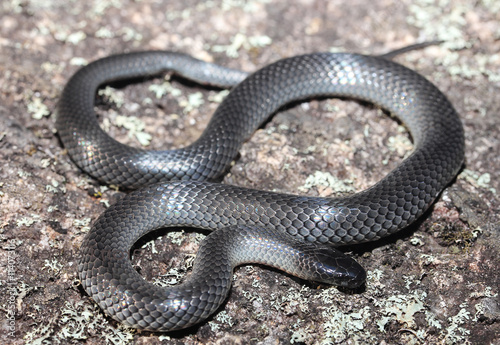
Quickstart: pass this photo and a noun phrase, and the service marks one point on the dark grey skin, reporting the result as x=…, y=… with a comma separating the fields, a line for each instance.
x=294, y=233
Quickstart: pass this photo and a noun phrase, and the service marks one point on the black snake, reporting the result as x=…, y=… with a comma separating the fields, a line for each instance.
x=251, y=226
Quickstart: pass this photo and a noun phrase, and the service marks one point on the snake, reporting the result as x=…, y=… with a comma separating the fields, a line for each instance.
x=179, y=187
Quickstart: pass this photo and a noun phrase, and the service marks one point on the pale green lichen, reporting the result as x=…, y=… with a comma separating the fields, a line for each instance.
x=482, y=64
x=194, y=101
x=241, y=41
x=45, y=162
x=177, y=237
x=449, y=21
x=52, y=208
x=481, y=307
x=249, y=6
x=487, y=292
x=73, y=324
x=299, y=334
x=104, y=32
x=400, y=144
x=218, y=97
x=75, y=37
x=130, y=34
x=53, y=265
x=112, y=95
x=256, y=284
x=39, y=335
x=224, y=317
x=22, y=173
x=254, y=295
x=341, y=326
x=78, y=61
x=417, y=240
x=99, y=7
x=336, y=50
x=428, y=259
x=151, y=244
x=103, y=189
x=85, y=182
x=51, y=67
x=26, y=221
x=37, y=108
x=221, y=318
x=51, y=189
x=82, y=224
x=477, y=179
x=184, y=14
x=403, y=308
x=105, y=202
x=55, y=187
x=480, y=310
x=431, y=320
x=172, y=277
x=292, y=300
x=492, y=5
x=449, y=25
x=326, y=179
x=374, y=279
x=65, y=35
x=163, y=89
x=163, y=337
x=455, y=334
x=135, y=128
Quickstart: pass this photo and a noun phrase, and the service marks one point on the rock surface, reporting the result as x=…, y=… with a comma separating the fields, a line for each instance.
x=435, y=283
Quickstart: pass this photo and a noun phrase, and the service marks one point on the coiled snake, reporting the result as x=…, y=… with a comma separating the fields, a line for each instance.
x=250, y=226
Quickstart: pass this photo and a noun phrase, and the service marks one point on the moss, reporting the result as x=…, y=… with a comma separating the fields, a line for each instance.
x=457, y=236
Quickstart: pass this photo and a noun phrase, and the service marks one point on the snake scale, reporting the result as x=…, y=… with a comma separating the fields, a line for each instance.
x=294, y=233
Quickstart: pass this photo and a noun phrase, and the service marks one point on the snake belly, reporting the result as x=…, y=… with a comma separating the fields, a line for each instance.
x=285, y=231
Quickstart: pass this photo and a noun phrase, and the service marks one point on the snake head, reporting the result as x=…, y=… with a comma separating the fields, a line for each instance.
x=334, y=267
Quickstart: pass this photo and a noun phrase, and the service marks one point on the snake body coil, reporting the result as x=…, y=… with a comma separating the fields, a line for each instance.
x=251, y=226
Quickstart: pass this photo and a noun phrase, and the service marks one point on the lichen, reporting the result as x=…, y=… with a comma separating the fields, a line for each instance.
x=135, y=128
x=326, y=179
x=455, y=334
x=341, y=326
x=192, y=102
x=28, y=221
x=402, y=308
x=241, y=41
x=477, y=179
x=73, y=324
x=37, y=108
x=112, y=95
x=53, y=265
x=82, y=224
